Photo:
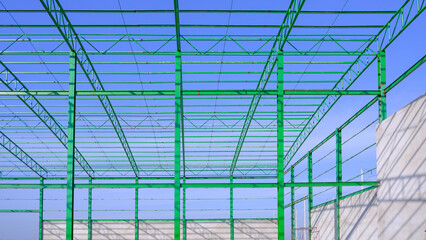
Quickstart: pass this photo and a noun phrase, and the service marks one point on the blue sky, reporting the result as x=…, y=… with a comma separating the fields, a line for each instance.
x=403, y=53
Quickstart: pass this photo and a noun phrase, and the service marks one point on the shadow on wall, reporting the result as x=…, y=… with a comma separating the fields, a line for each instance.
x=401, y=165
x=358, y=218
x=163, y=230
x=255, y=229
x=396, y=209
x=55, y=230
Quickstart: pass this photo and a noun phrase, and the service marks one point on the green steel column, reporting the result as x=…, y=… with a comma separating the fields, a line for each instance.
x=280, y=145
x=184, y=210
x=338, y=178
x=382, y=85
x=310, y=194
x=293, y=223
x=231, y=208
x=178, y=108
x=71, y=147
x=136, y=210
x=40, y=214
x=89, y=213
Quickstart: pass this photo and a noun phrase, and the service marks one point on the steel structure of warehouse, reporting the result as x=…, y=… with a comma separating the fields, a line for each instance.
x=130, y=131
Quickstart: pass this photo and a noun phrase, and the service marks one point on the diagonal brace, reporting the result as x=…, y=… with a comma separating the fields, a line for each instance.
x=62, y=22
x=285, y=28
x=20, y=154
x=14, y=84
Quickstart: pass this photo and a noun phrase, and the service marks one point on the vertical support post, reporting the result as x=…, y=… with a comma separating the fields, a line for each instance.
x=338, y=179
x=382, y=85
x=136, y=210
x=40, y=213
x=71, y=147
x=310, y=195
x=178, y=109
x=231, y=208
x=184, y=210
x=89, y=213
x=280, y=145
x=293, y=222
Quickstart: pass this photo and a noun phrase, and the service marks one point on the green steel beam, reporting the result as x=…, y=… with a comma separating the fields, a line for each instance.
x=186, y=25
x=332, y=134
x=346, y=196
x=231, y=209
x=73, y=41
x=338, y=180
x=193, y=11
x=406, y=73
x=187, y=72
x=310, y=195
x=382, y=84
x=21, y=155
x=296, y=201
x=280, y=146
x=188, y=185
x=40, y=212
x=196, y=53
x=71, y=149
x=89, y=212
x=283, y=33
x=177, y=146
x=136, y=210
x=177, y=24
x=187, y=62
x=164, y=220
x=13, y=83
x=392, y=29
x=211, y=38
x=178, y=49
x=293, y=220
x=20, y=211
x=144, y=177
x=190, y=92
x=184, y=230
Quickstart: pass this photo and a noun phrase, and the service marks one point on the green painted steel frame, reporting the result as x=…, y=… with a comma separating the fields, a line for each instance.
x=310, y=195
x=20, y=154
x=200, y=92
x=89, y=212
x=337, y=134
x=71, y=147
x=338, y=180
x=384, y=38
x=285, y=28
x=41, y=211
x=382, y=85
x=399, y=21
x=177, y=154
x=280, y=146
x=136, y=210
x=13, y=84
x=188, y=185
x=293, y=220
x=73, y=41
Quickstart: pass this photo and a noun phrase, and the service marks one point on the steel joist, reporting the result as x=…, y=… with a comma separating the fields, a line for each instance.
x=57, y=14
x=180, y=162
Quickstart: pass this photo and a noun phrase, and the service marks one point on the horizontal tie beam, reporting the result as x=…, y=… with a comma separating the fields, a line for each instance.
x=191, y=185
x=190, y=92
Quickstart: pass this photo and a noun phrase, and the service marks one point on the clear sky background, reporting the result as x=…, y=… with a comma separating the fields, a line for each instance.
x=158, y=203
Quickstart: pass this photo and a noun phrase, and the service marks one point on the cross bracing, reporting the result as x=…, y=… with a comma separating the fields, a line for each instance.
x=339, y=59
x=188, y=95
